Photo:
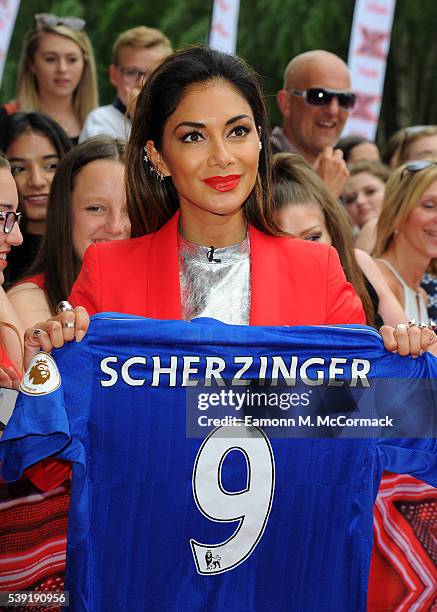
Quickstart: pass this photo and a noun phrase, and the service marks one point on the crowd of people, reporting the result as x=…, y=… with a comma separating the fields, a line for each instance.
x=182, y=160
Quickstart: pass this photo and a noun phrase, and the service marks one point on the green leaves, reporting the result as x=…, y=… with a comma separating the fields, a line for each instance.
x=271, y=32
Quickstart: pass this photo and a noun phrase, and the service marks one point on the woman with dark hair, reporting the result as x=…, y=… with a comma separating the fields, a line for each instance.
x=206, y=239
x=306, y=209
x=207, y=244
x=87, y=205
x=34, y=145
x=199, y=158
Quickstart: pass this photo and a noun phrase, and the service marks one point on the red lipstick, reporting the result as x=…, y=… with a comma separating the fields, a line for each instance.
x=223, y=183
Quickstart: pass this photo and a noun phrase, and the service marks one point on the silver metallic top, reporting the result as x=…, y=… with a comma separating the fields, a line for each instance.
x=218, y=288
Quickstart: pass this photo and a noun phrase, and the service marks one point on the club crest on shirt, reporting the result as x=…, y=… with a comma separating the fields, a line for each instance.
x=42, y=376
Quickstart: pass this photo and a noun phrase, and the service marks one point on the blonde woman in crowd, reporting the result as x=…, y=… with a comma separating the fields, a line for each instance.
x=57, y=72
x=406, y=242
x=406, y=246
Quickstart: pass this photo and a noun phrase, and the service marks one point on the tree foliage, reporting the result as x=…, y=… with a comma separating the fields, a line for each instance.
x=270, y=33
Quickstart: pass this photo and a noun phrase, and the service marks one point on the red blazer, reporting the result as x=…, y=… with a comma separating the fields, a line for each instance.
x=293, y=282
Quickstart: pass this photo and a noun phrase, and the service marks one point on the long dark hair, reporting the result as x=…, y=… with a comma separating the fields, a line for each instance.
x=295, y=182
x=151, y=203
x=13, y=126
x=56, y=258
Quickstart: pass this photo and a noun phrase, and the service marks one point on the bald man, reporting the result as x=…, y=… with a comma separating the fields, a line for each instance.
x=315, y=103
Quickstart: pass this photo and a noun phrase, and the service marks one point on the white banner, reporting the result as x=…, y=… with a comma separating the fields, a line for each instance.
x=368, y=50
x=224, y=25
x=8, y=14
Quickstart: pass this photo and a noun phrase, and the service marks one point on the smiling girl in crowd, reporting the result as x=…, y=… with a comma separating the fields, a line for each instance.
x=87, y=205
x=363, y=193
x=406, y=242
x=57, y=73
x=306, y=209
x=34, y=144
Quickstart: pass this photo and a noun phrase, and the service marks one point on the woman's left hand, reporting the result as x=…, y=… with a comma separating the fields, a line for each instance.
x=9, y=379
x=409, y=339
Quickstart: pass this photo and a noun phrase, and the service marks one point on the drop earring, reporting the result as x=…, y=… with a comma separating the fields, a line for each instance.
x=150, y=167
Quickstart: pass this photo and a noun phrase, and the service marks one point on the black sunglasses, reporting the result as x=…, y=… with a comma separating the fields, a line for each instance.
x=317, y=96
x=418, y=165
x=10, y=218
x=48, y=20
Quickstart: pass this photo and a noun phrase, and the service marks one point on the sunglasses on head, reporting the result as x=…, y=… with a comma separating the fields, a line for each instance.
x=317, y=96
x=48, y=20
x=418, y=165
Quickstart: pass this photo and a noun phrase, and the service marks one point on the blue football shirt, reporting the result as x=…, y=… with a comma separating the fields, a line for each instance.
x=161, y=521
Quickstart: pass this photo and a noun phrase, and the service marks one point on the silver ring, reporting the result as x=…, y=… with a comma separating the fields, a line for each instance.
x=401, y=326
x=68, y=325
x=412, y=323
x=36, y=333
x=63, y=306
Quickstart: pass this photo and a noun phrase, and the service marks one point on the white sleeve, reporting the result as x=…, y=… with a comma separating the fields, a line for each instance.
x=99, y=122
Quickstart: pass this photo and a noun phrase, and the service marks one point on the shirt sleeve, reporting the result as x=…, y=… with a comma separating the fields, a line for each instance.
x=98, y=123
x=37, y=429
x=416, y=456
x=86, y=289
x=47, y=427
x=343, y=304
x=91, y=127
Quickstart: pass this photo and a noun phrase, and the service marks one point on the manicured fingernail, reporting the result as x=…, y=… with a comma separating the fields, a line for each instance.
x=80, y=335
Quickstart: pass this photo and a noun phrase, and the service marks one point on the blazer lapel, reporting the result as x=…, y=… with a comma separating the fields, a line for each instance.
x=164, y=297
x=265, y=307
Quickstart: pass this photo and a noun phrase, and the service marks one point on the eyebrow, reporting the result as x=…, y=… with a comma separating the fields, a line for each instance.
x=195, y=124
x=311, y=229
x=7, y=205
x=24, y=159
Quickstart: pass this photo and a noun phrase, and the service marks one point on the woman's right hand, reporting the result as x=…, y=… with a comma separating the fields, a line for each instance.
x=66, y=326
